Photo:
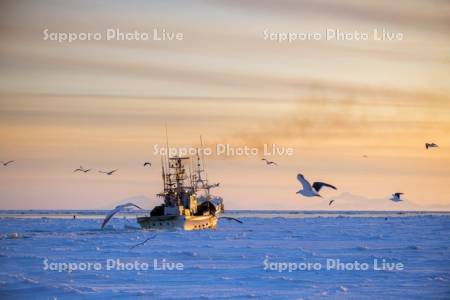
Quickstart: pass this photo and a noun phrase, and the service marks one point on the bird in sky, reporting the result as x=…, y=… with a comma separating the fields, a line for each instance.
x=431, y=145
x=7, y=163
x=396, y=197
x=311, y=191
x=331, y=202
x=108, y=173
x=214, y=185
x=116, y=210
x=269, y=162
x=147, y=164
x=81, y=169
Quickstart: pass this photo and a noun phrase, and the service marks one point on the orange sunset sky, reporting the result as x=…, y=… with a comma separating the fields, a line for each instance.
x=103, y=103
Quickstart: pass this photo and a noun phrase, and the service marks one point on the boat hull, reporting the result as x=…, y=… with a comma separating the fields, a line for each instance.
x=178, y=222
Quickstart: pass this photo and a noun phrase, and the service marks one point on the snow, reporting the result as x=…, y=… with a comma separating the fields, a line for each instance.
x=228, y=263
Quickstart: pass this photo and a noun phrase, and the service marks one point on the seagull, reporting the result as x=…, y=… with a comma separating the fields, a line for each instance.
x=6, y=163
x=116, y=210
x=396, y=197
x=431, y=145
x=108, y=173
x=331, y=202
x=232, y=219
x=311, y=191
x=146, y=240
x=147, y=164
x=269, y=163
x=82, y=170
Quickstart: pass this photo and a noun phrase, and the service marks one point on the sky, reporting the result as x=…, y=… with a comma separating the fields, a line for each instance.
x=355, y=112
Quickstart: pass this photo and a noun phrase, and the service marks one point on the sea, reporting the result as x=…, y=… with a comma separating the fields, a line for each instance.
x=63, y=254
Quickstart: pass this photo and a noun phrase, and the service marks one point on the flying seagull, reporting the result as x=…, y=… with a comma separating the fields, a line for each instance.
x=108, y=173
x=116, y=210
x=396, y=197
x=232, y=219
x=331, y=202
x=147, y=164
x=145, y=241
x=431, y=145
x=210, y=186
x=81, y=169
x=269, y=162
x=311, y=191
x=6, y=163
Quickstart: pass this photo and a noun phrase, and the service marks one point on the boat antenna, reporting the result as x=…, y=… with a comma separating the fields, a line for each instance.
x=193, y=180
x=190, y=177
x=163, y=173
x=203, y=159
x=167, y=147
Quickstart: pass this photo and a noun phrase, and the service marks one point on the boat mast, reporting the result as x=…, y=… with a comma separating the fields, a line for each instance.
x=167, y=147
x=163, y=174
x=203, y=159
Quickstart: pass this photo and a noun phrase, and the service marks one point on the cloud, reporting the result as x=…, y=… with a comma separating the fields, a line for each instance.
x=430, y=16
x=317, y=120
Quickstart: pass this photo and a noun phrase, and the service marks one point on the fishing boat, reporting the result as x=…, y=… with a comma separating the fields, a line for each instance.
x=187, y=200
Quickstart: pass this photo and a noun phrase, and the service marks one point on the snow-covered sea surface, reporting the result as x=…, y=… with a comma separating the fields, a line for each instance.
x=272, y=255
